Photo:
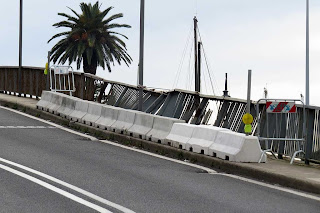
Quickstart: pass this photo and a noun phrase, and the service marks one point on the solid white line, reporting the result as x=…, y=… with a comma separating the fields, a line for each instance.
x=75, y=188
x=291, y=191
x=55, y=189
x=210, y=171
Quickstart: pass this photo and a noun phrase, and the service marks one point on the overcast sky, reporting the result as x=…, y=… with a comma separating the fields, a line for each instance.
x=267, y=36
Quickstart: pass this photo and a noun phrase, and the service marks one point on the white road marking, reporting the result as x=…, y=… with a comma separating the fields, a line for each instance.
x=26, y=127
x=210, y=171
x=75, y=188
x=291, y=191
x=51, y=123
x=55, y=189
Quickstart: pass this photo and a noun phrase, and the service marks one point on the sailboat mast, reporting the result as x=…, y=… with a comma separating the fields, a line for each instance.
x=198, y=75
x=196, y=66
x=307, y=54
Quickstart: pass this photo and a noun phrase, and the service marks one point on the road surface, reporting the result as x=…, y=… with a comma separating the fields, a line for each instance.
x=44, y=168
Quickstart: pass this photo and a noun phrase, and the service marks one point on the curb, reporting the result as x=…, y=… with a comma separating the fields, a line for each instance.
x=240, y=169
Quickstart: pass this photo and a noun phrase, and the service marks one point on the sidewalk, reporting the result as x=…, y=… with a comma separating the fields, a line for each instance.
x=298, y=176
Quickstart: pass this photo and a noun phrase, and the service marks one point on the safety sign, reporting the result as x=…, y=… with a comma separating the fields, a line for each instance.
x=281, y=107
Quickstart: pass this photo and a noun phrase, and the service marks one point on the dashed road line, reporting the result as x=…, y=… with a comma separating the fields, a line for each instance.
x=27, y=127
x=210, y=171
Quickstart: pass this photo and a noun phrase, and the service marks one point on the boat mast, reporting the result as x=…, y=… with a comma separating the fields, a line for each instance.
x=196, y=56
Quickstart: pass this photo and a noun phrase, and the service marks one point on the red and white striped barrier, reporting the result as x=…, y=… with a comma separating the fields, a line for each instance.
x=281, y=107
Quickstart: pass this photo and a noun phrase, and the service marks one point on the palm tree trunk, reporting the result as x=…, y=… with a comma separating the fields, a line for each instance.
x=92, y=69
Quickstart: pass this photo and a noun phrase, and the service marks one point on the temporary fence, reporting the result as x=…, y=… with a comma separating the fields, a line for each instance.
x=189, y=106
x=287, y=125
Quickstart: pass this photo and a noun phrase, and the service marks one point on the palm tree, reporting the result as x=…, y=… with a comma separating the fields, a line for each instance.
x=91, y=39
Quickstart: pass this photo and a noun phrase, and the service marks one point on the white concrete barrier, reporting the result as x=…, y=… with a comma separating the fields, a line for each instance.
x=56, y=102
x=161, y=128
x=80, y=110
x=236, y=147
x=67, y=106
x=179, y=135
x=202, y=138
x=124, y=121
x=109, y=115
x=143, y=123
x=45, y=100
x=93, y=113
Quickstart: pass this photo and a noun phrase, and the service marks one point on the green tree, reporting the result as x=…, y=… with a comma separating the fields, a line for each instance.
x=91, y=39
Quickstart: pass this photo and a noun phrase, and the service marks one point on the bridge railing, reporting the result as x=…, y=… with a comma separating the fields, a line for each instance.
x=190, y=106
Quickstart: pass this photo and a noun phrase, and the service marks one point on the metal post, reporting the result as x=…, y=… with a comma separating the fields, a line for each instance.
x=198, y=75
x=20, y=50
x=307, y=55
x=49, y=72
x=140, y=83
x=195, y=22
x=249, y=91
x=225, y=92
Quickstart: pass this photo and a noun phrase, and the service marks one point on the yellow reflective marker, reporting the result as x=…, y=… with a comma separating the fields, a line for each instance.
x=46, y=69
x=247, y=119
x=248, y=129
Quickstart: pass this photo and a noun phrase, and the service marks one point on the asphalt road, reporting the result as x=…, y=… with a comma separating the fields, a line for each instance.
x=123, y=179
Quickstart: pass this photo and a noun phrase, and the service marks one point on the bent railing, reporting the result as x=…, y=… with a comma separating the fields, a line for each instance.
x=190, y=106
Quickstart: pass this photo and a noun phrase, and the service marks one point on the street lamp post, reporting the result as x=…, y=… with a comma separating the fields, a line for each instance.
x=140, y=82
x=307, y=54
x=20, y=50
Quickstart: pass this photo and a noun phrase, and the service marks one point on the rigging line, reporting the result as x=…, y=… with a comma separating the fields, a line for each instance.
x=208, y=68
x=208, y=65
x=205, y=56
x=182, y=59
x=205, y=83
x=189, y=68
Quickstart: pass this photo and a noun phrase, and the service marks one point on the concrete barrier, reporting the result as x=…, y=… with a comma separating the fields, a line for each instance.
x=143, y=123
x=109, y=116
x=179, y=135
x=124, y=121
x=80, y=110
x=236, y=147
x=161, y=128
x=56, y=102
x=45, y=101
x=93, y=113
x=67, y=106
x=202, y=138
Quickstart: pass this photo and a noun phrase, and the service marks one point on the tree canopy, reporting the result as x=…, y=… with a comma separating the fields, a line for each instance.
x=91, y=39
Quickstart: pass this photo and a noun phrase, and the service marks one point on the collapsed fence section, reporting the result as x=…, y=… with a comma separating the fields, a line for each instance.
x=189, y=106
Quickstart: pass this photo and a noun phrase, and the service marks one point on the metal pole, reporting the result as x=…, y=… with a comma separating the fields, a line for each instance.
x=225, y=92
x=249, y=91
x=307, y=55
x=198, y=85
x=140, y=83
x=49, y=72
x=195, y=23
x=20, y=50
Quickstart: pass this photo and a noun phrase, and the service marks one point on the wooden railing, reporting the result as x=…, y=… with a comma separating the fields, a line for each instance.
x=33, y=81
x=176, y=103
